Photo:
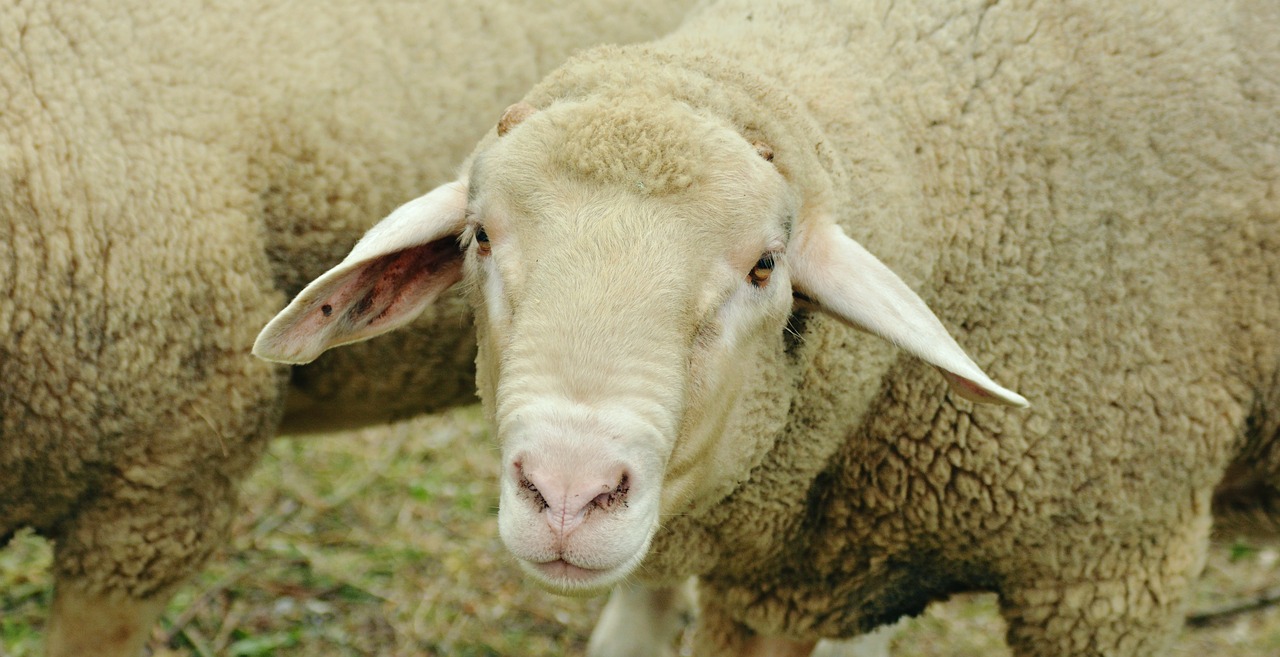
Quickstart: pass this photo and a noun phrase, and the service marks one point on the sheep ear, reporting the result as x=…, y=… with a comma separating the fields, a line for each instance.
x=394, y=272
x=837, y=275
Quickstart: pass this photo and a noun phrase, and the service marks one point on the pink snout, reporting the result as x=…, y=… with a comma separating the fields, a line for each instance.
x=581, y=493
x=566, y=496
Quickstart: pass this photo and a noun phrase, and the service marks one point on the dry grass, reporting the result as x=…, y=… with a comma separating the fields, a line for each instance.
x=385, y=542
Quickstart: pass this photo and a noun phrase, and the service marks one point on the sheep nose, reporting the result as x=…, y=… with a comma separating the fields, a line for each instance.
x=566, y=496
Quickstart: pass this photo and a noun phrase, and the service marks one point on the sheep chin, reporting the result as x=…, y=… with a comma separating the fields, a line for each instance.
x=562, y=577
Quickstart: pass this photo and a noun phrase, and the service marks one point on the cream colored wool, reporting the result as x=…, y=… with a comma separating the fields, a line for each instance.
x=1087, y=194
x=1091, y=197
x=168, y=176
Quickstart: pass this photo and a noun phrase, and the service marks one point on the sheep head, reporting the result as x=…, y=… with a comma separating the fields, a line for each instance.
x=632, y=268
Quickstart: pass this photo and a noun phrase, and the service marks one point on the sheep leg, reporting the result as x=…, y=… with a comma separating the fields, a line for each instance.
x=1116, y=619
x=719, y=634
x=640, y=622
x=117, y=562
x=740, y=641
x=772, y=646
x=1134, y=615
x=872, y=644
x=86, y=623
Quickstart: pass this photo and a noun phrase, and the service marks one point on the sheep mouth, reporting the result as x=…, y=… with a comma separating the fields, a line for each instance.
x=565, y=577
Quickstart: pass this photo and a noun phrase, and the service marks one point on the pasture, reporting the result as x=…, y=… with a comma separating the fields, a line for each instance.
x=385, y=542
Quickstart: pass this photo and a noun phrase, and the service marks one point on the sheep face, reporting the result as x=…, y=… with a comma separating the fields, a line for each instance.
x=632, y=267
x=625, y=298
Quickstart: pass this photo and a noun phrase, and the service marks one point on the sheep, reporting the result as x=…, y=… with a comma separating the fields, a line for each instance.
x=168, y=177
x=666, y=244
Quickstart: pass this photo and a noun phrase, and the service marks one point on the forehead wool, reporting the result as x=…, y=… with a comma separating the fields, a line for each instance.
x=649, y=150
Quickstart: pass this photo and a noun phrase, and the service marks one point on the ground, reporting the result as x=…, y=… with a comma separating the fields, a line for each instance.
x=385, y=542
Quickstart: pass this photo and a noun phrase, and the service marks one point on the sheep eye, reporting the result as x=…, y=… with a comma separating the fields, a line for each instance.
x=760, y=274
x=482, y=241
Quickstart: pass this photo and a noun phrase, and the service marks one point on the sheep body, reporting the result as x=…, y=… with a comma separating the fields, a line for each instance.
x=1091, y=196
x=1087, y=194
x=1080, y=204
x=166, y=178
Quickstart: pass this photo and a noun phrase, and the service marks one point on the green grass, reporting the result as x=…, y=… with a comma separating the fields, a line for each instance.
x=385, y=542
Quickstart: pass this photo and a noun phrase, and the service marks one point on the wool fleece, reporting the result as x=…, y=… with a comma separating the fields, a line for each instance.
x=1085, y=193
x=169, y=174
x=1090, y=196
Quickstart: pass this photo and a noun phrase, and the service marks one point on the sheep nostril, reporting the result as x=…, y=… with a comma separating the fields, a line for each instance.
x=614, y=497
x=528, y=490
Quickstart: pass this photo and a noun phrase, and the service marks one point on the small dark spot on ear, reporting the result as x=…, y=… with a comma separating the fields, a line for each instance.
x=326, y=309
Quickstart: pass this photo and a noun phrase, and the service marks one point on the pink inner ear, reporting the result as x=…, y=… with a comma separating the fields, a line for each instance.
x=399, y=267
x=372, y=297
x=388, y=288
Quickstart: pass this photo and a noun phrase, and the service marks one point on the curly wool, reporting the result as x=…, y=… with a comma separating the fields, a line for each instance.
x=1088, y=196
x=166, y=179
